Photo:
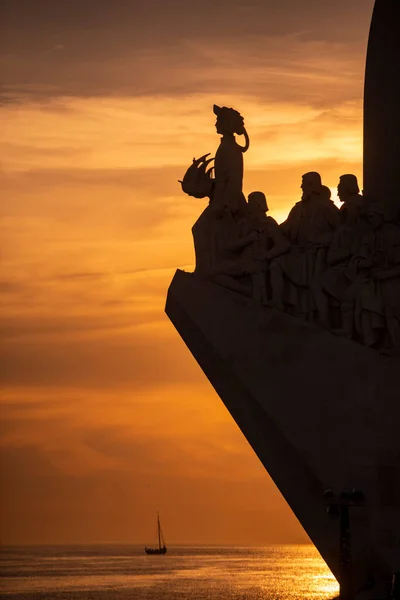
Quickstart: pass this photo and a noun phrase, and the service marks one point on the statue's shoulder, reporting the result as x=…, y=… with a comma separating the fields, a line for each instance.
x=296, y=209
x=271, y=223
x=333, y=210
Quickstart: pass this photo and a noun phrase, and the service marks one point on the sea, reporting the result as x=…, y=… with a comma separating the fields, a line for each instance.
x=122, y=572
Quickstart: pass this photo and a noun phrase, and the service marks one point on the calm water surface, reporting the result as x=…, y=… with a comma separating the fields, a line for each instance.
x=185, y=573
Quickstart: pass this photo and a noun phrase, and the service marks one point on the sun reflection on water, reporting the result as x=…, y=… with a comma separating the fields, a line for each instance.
x=189, y=573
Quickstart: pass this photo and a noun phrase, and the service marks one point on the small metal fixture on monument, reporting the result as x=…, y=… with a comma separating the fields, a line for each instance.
x=297, y=327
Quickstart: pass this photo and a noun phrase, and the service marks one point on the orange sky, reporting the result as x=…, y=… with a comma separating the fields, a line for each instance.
x=106, y=417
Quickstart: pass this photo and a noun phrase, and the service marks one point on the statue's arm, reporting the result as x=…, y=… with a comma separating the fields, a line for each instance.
x=332, y=222
x=242, y=242
x=388, y=273
x=246, y=141
x=291, y=218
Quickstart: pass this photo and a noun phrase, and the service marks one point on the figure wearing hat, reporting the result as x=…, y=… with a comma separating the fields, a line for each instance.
x=229, y=161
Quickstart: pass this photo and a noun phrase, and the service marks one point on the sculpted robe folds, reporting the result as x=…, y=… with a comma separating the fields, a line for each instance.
x=376, y=288
x=229, y=175
x=309, y=228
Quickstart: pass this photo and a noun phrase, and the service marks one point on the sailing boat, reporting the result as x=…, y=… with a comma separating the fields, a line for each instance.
x=162, y=549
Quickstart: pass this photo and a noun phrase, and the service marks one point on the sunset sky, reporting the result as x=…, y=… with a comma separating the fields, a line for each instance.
x=105, y=416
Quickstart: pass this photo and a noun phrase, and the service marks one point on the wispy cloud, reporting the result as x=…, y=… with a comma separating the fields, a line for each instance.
x=151, y=133
x=286, y=68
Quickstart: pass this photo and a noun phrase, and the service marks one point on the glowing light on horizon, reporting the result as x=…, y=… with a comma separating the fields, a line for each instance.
x=335, y=197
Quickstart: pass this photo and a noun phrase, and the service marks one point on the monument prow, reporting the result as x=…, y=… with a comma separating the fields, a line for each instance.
x=308, y=403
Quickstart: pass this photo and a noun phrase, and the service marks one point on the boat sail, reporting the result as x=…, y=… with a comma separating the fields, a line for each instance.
x=162, y=548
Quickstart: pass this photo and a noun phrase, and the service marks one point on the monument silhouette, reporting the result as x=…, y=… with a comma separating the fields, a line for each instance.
x=297, y=328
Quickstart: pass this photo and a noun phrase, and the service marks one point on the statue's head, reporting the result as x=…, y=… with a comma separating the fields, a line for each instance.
x=229, y=121
x=326, y=193
x=311, y=184
x=347, y=186
x=257, y=202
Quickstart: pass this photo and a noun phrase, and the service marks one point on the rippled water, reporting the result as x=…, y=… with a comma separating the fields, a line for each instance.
x=185, y=573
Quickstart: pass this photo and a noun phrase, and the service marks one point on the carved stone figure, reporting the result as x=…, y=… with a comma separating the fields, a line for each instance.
x=198, y=183
x=219, y=238
x=269, y=243
x=330, y=286
x=229, y=160
x=311, y=221
x=217, y=234
x=349, y=193
x=375, y=291
x=309, y=229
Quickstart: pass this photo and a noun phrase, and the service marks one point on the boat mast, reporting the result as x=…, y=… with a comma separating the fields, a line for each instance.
x=159, y=532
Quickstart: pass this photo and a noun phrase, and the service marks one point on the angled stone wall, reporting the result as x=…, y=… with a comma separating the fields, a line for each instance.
x=320, y=411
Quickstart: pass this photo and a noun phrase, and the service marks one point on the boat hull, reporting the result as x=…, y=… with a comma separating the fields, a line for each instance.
x=156, y=550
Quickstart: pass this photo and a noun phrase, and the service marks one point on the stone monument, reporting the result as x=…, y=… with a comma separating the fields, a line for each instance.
x=297, y=327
